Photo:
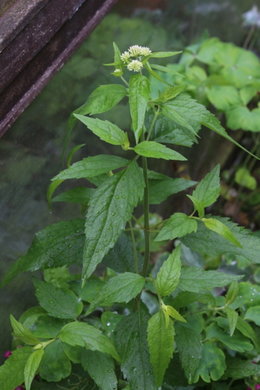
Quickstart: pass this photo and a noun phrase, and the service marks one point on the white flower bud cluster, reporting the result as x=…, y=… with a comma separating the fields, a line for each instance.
x=135, y=66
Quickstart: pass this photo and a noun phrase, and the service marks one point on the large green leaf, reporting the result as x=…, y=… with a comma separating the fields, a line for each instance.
x=195, y=279
x=105, y=130
x=108, y=213
x=120, y=288
x=207, y=191
x=12, y=371
x=131, y=341
x=253, y=314
x=101, y=369
x=189, y=345
x=139, y=94
x=91, y=167
x=241, y=117
x=212, y=363
x=31, y=367
x=84, y=335
x=178, y=225
x=218, y=227
x=156, y=150
x=161, y=344
x=237, y=342
x=56, y=245
x=205, y=241
x=160, y=190
x=168, y=276
x=102, y=99
x=55, y=364
x=223, y=96
x=57, y=302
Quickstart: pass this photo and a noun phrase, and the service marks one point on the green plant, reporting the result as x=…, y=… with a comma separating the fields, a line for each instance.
x=148, y=318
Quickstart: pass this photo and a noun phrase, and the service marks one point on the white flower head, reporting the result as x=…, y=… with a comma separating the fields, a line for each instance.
x=137, y=50
x=135, y=66
x=125, y=56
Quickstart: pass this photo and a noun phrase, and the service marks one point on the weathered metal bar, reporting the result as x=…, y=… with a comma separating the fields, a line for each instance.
x=30, y=80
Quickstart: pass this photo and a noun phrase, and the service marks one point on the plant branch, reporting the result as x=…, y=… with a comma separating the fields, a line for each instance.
x=146, y=219
x=136, y=267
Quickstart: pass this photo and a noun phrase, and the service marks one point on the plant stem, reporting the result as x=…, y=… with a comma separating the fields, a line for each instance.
x=134, y=247
x=153, y=123
x=146, y=220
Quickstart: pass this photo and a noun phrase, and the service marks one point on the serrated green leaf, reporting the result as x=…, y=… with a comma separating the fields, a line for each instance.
x=156, y=150
x=101, y=369
x=245, y=179
x=108, y=213
x=131, y=342
x=232, y=317
x=22, y=333
x=57, y=302
x=253, y=314
x=92, y=166
x=207, y=191
x=236, y=342
x=178, y=225
x=161, y=345
x=160, y=190
x=189, y=345
x=173, y=313
x=232, y=293
x=121, y=288
x=102, y=99
x=85, y=335
x=246, y=329
x=55, y=364
x=212, y=363
x=75, y=195
x=139, y=95
x=197, y=280
x=240, y=369
x=170, y=93
x=56, y=245
x=163, y=54
x=218, y=227
x=168, y=276
x=31, y=367
x=12, y=371
x=91, y=289
x=223, y=96
x=43, y=326
x=205, y=241
x=105, y=130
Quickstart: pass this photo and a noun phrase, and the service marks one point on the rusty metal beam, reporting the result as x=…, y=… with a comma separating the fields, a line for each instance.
x=41, y=48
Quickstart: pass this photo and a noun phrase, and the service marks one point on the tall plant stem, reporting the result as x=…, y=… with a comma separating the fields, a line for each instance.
x=136, y=265
x=146, y=220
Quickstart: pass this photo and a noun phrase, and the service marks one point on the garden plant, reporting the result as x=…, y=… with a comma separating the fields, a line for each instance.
x=146, y=313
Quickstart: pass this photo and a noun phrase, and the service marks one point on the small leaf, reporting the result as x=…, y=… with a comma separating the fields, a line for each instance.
x=245, y=179
x=197, y=280
x=161, y=344
x=163, y=54
x=55, y=364
x=173, y=313
x=31, y=367
x=253, y=314
x=207, y=191
x=232, y=317
x=218, y=227
x=246, y=329
x=57, y=302
x=85, y=335
x=80, y=195
x=240, y=368
x=22, y=333
x=92, y=166
x=139, y=94
x=156, y=150
x=101, y=369
x=170, y=93
x=105, y=130
x=102, y=99
x=168, y=276
x=121, y=288
x=211, y=365
x=12, y=371
x=108, y=212
x=236, y=343
x=178, y=225
x=160, y=190
x=232, y=292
